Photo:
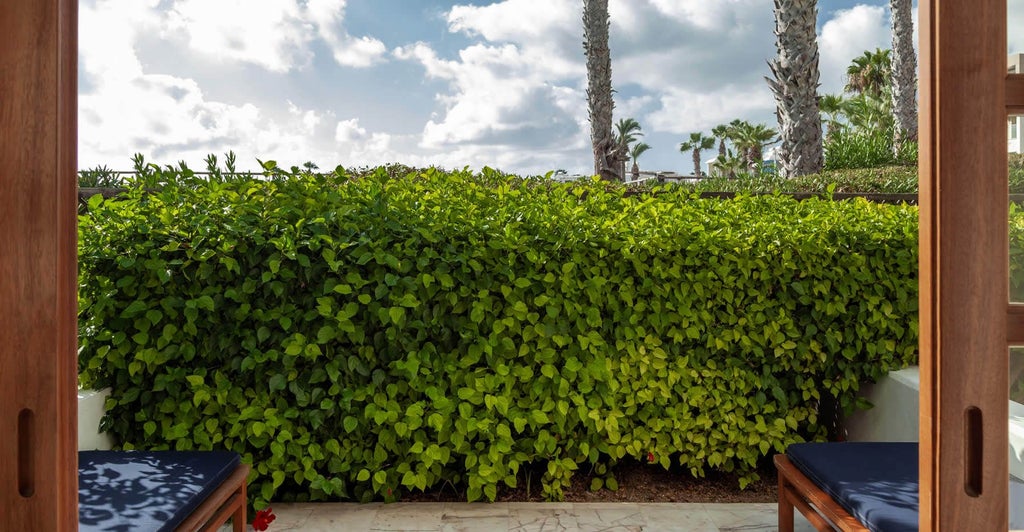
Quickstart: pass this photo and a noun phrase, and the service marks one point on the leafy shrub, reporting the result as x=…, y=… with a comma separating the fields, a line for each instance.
x=887, y=180
x=357, y=338
x=101, y=176
x=866, y=148
x=1016, y=173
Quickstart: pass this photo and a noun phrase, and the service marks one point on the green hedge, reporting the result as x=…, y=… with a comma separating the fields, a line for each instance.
x=361, y=338
x=882, y=180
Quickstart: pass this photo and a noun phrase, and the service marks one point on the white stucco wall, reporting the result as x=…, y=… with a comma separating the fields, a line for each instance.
x=90, y=410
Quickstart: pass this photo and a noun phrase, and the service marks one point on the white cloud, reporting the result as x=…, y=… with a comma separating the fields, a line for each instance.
x=713, y=16
x=515, y=20
x=546, y=34
x=328, y=16
x=358, y=142
x=110, y=55
x=273, y=34
x=683, y=111
x=496, y=93
x=635, y=106
x=309, y=119
x=269, y=33
x=1015, y=21
x=168, y=118
x=510, y=98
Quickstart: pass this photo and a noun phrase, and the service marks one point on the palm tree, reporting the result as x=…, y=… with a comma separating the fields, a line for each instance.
x=697, y=143
x=635, y=152
x=869, y=73
x=735, y=126
x=751, y=139
x=732, y=132
x=627, y=131
x=867, y=113
x=599, y=87
x=831, y=105
x=904, y=73
x=721, y=132
x=730, y=164
x=796, y=87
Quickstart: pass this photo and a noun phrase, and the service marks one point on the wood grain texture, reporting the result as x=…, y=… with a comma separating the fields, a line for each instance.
x=226, y=503
x=963, y=182
x=1015, y=94
x=799, y=492
x=1015, y=325
x=38, y=279
x=67, y=263
x=927, y=268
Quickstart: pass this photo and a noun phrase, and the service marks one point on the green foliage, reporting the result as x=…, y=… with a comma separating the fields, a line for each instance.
x=153, y=176
x=1016, y=173
x=889, y=180
x=866, y=148
x=100, y=176
x=361, y=338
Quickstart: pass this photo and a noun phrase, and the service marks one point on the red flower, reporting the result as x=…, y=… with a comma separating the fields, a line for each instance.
x=650, y=457
x=263, y=519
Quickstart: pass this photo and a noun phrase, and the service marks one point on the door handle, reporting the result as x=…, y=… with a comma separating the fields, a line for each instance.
x=26, y=453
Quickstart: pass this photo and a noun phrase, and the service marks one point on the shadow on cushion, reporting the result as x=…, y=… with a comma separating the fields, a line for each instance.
x=876, y=482
x=123, y=491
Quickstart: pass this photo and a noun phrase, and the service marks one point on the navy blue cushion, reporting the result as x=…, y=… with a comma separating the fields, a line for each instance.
x=122, y=491
x=876, y=482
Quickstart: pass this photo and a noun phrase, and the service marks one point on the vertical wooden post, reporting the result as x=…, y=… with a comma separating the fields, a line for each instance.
x=963, y=269
x=38, y=278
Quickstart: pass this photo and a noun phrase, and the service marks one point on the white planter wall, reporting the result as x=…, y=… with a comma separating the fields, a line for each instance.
x=90, y=410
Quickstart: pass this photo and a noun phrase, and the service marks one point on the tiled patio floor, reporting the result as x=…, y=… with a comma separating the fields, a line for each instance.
x=529, y=517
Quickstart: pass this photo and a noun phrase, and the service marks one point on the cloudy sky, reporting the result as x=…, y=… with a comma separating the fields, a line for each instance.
x=427, y=82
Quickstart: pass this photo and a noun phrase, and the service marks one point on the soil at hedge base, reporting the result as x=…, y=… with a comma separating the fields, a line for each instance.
x=637, y=483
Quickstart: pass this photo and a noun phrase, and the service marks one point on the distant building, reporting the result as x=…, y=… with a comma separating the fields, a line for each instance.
x=1014, y=124
x=711, y=166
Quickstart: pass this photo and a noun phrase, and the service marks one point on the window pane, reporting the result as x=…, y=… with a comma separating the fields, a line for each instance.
x=1015, y=65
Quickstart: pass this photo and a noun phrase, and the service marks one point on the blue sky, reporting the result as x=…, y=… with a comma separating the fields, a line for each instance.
x=425, y=82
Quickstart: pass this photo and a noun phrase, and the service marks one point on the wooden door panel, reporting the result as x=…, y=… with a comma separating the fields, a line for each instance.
x=38, y=284
x=963, y=265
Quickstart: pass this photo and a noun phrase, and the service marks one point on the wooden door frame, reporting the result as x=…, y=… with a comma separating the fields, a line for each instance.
x=38, y=255
x=963, y=266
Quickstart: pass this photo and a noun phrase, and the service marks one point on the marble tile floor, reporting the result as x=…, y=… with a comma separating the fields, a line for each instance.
x=529, y=517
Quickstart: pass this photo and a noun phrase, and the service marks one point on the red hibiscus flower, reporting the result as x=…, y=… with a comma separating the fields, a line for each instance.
x=263, y=519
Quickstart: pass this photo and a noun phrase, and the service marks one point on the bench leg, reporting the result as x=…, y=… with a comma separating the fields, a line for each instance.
x=785, y=506
x=238, y=522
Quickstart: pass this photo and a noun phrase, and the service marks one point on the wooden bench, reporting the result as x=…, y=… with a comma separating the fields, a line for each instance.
x=850, y=486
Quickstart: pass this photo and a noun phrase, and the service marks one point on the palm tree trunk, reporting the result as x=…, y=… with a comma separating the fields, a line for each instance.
x=696, y=161
x=904, y=73
x=753, y=159
x=796, y=87
x=599, y=88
